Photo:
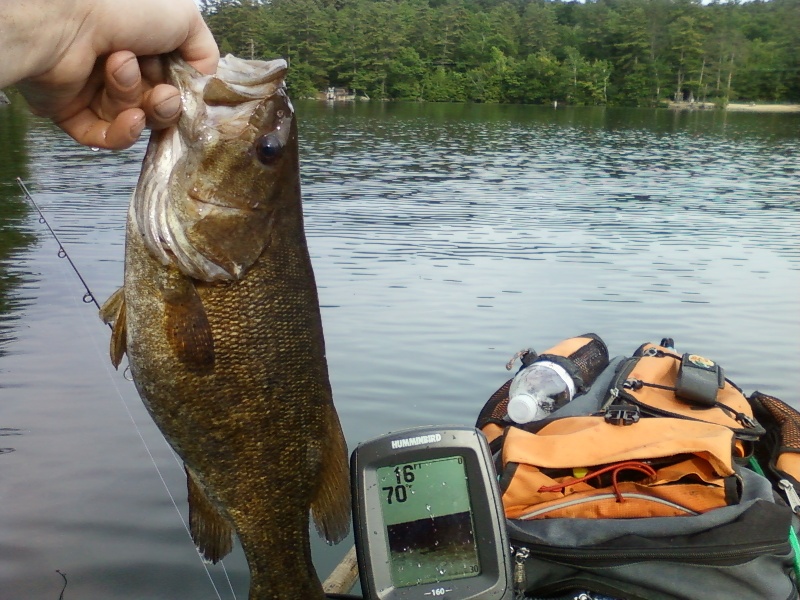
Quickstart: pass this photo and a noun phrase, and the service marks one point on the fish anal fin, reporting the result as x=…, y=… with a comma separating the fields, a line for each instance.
x=211, y=533
x=330, y=507
x=113, y=313
x=187, y=328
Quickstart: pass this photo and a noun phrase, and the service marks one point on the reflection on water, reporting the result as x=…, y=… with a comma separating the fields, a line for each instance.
x=444, y=239
x=13, y=235
x=8, y=431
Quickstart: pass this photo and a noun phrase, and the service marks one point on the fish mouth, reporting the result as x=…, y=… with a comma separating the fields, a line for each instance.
x=220, y=111
x=238, y=80
x=226, y=99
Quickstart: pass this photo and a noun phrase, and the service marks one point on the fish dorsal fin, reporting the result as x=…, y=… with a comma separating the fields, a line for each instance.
x=113, y=313
x=330, y=507
x=211, y=533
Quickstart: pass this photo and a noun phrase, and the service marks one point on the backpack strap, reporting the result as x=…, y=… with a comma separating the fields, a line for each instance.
x=652, y=379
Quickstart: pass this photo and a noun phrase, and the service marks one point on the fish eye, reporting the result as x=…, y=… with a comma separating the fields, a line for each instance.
x=268, y=149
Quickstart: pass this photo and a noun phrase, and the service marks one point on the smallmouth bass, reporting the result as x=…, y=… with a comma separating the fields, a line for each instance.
x=220, y=320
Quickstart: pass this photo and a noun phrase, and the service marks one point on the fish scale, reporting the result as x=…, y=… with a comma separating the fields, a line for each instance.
x=220, y=319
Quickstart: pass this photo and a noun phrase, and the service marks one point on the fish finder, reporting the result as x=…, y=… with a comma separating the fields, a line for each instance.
x=428, y=519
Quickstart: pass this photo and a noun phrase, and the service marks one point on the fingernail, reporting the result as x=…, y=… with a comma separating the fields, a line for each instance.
x=137, y=128
x=127, y=74
x=168, y=108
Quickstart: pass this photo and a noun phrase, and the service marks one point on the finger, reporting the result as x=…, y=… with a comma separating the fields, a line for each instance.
x=152, y=69
x=162, y=106
x=200, y=50
x=123, y=85
x=88, y=129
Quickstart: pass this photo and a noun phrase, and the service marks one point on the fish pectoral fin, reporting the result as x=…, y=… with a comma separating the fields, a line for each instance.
x=330, y=507
x=211, y=533
x=186, y=326
x=113, y=313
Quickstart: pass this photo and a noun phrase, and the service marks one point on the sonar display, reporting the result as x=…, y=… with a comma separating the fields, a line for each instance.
x=429, y=524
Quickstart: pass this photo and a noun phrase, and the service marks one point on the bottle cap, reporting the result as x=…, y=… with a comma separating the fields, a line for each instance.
x=524, y=408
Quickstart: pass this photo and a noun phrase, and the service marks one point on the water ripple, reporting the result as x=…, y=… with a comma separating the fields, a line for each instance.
x=444, y=239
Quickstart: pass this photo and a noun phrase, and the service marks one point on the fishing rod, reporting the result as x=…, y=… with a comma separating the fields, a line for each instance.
x=88, y=297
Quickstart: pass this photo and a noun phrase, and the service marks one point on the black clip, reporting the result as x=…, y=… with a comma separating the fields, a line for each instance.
x=633, y=384
x=622, y=414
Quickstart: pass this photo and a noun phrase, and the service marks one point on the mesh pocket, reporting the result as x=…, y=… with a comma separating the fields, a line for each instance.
x=785, y=417
x=495, y=409
x=780, y=449
x=590, y=359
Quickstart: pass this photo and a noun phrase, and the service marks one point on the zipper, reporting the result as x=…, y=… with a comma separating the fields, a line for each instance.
x=521, y=554
x=791, y=495
x=604, y=554
x=579, y=501
x=578, y=558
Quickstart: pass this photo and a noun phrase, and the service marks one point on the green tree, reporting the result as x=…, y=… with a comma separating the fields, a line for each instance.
x=536, y=80
x=687, y=41
x=237, y=26
x=405, y=74
x=634, y=52
x=441, y=85
x=631, y=48
x=539, y=27
x=761, y=75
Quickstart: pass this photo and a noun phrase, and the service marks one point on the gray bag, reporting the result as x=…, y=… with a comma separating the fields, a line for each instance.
x=737, y=552
x=740, y=552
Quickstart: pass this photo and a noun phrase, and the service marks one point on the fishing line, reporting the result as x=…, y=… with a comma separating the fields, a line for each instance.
x=89, y=298
x=179, y=462
x=144, y=443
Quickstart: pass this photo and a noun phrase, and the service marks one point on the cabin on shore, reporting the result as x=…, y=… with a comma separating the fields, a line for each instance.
x=334, y=94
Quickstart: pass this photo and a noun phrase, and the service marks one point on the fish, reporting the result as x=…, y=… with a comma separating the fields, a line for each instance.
x=219, y=317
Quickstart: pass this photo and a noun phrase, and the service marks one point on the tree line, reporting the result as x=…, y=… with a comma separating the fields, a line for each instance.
x=616, y=52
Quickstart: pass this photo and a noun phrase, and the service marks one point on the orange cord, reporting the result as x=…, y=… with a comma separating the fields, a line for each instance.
x=631, y=465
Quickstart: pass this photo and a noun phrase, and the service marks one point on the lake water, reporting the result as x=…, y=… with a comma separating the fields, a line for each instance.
x=444, y=239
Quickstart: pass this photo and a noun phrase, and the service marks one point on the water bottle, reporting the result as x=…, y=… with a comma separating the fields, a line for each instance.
x=538, y=390
x=555, y=377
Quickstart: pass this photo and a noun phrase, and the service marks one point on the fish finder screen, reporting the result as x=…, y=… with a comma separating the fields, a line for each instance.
x=428, y=518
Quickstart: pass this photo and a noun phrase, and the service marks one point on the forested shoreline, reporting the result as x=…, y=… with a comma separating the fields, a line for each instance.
x=615, y=52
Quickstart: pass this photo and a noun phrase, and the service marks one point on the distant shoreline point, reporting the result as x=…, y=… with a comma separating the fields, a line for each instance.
x=737, y=107
x=778, y=108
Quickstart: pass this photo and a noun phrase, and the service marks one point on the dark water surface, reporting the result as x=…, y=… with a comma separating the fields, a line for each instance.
x=444, y=239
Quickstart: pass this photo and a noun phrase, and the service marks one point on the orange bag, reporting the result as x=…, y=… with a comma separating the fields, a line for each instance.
x=585, y=467
x=658, y=434
x=648, y=380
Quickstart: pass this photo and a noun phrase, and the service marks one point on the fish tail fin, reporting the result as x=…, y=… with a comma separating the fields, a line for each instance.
x=113, y=313
x=331, y=505
x=211, y=533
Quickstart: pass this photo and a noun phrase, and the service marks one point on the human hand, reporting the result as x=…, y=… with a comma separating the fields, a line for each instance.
x=105, y=82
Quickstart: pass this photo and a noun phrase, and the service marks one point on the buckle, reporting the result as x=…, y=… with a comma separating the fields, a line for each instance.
x=622, y=414
x=633, y=384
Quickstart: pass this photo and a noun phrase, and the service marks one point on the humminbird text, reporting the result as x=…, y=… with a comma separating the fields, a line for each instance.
x=416, y=441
